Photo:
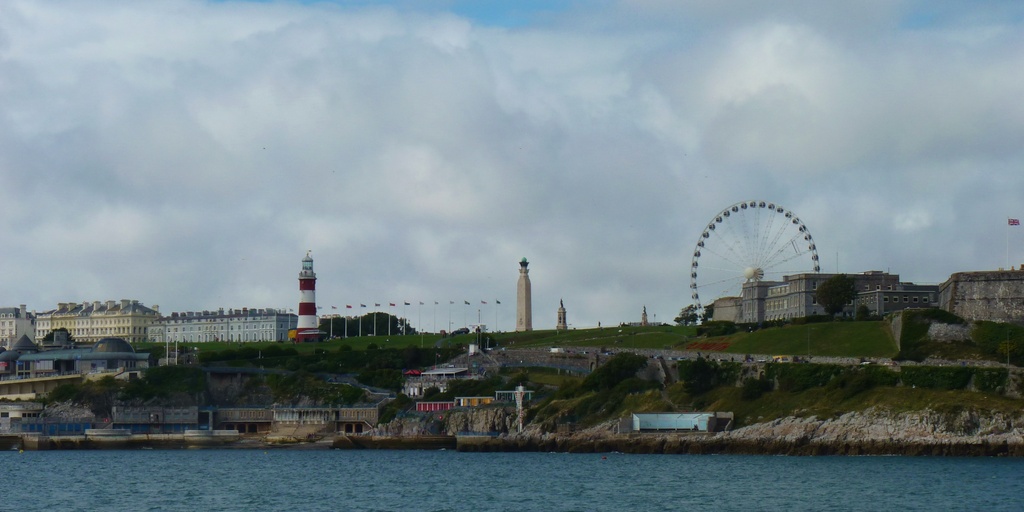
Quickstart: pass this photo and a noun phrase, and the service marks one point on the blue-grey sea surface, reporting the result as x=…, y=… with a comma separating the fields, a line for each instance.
x=307, y=480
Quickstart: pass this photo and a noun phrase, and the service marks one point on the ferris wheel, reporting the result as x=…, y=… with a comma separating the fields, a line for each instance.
x=749, y=241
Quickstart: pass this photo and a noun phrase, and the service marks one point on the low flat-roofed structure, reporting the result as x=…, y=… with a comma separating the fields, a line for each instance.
x=434, y=406
x=681, y=421
x=473, y=401
x=450, y=373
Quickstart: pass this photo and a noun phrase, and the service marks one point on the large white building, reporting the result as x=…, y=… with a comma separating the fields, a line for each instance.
x=89, y=322
x=241, y=325
x=15, y=323
x=794, y=297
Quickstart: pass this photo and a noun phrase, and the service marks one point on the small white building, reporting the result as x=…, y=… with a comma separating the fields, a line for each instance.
x=681, y=422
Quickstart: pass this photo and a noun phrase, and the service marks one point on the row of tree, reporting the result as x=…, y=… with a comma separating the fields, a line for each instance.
x=377, y=324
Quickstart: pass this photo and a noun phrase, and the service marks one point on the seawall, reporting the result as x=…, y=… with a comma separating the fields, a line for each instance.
x=96, y=439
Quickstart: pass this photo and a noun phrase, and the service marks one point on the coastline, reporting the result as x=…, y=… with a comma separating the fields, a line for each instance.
x=875, y=431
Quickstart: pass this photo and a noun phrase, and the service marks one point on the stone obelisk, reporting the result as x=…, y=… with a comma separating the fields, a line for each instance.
x=524, y=308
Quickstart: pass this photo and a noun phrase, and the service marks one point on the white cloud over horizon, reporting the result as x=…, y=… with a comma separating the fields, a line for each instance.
x=188, y=153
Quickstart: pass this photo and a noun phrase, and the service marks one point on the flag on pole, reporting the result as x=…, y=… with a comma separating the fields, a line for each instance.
x=391, y=304
x=348, y=306
x=1014, y=222
x=466, y=301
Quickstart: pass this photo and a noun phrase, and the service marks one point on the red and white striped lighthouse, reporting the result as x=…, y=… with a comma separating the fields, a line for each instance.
x=307, y=328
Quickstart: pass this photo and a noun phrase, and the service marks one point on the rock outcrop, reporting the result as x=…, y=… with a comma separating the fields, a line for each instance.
x=871, y=432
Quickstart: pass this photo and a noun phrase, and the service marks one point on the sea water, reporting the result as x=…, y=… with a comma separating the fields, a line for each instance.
x=246, y=480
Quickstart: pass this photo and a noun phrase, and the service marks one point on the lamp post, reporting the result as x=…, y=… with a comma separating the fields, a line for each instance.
x=808, y=343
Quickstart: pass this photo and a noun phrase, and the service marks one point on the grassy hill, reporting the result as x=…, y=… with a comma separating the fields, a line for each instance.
x=848, y=339
x=836, y=339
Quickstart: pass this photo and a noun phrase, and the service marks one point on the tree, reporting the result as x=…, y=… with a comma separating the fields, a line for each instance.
x=863, y=313
x=687, y=316
x=50, y=335
x=835, y=293
x=709, y=313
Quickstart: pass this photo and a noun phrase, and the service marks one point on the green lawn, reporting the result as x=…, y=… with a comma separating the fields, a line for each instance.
x=357, y=343
x=852, y=339
x=656, y=337
x=849, y=339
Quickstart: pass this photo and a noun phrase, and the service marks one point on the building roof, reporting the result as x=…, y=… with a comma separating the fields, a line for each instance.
x=112, y=345
x=106, y=349
x=443, y=372
x=24, y=344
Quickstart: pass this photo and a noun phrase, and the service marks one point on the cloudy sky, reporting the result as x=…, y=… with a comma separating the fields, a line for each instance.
x=188, y=153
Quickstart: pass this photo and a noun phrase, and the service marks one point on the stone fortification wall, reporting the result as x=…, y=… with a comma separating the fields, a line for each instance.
x=949, y=333
x=896, y=326
x=996, y=296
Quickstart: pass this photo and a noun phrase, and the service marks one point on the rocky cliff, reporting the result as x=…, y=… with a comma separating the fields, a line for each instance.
x=871, y=432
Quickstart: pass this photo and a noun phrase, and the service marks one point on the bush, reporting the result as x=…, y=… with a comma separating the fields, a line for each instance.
x=716, y=328
x=990, y=379
x=619, y=368
x=754, y=388
x=933, y=377
x=996, y=338
x=701, y=375
x=800, y=377
x=385, y=379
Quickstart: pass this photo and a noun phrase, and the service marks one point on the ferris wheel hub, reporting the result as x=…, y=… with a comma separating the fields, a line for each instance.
x=753, y=273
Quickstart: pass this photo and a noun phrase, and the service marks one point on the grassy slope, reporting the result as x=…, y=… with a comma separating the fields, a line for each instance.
x=851, y=339
x=824, y=402
x=659, y=337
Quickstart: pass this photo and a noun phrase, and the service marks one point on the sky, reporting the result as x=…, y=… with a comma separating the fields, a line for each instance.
x=189, y=153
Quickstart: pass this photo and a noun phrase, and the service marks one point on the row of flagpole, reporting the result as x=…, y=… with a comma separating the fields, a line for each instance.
x=1009, y=222
x=419, y=320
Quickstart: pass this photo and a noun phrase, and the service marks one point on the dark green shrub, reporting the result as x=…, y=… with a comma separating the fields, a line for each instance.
x=881, y=376
x=716, y=328
x=935, y=377
x=619, y=368
x=754, y=388
x=702, y=375
x=990, y=379
x=799, y=377
x=384, y=378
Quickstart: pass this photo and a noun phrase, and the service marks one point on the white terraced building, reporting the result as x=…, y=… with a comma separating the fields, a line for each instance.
x=89, y=322
x=241, y=325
